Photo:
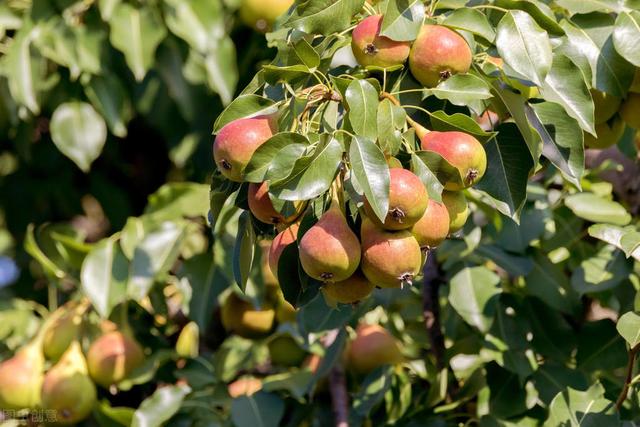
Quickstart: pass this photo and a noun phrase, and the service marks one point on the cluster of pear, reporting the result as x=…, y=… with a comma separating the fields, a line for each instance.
x=612, y=113
x=52, y=373
x=436, y=54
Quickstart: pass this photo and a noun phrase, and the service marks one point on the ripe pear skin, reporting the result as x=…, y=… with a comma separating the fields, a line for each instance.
x=408, y=199
x=112, y=357
x=630, y=110
x=240, y=317
x=67, y=388
x=609, y=133
x=21, y=379
x=348, y=291
x=372, y=49
x=605, y=105
x=329, y=250
x=245, y=386
x=438, y=53
x=463, y=151
x=373, y=347
x=488, y=120
x=458, y=208
x=284, y=351
x=237, y=141
x=61, y=332
x=261, y=207
x=390, y=259
x=433, y=227
x=261, y=14
x=281, y=241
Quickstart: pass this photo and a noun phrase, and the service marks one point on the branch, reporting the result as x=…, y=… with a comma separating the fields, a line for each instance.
x=431, y=307
x=633, y=352
x=337, y=386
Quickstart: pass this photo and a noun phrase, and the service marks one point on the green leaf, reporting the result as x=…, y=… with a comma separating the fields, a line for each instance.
x=524, y=46
x=574, y=408
x=629, y=327
x=600, y=347
x=137, y=32
x=79, y=132
x=244, y=106
x=597, y=209
x=323, y=16
x=508, y=165
x=604, y=270
x=548, y=282
x=372, y=390
x=561, y=139
x=471, y=20
x=625, y=238
x=539, y=11
x=473, y=294
x=199, y=22
x=428, y=178
x=625, y=36
x=362, y=100
x=391, y=119
x=312, y=174
x=262, y=159
x=438, y=165
x=283, y=163
x=153, y=257
x=23, y=67
x=155, y=410
x=244, y=250
x=462, y=89
x=108, y=96
x=565, y=85
x=307, y=54
x=176, y=200
x=221, y=69
x=372, y=172
x=402, y=20
x=442, y=122
x=104, y=276
x=590, y=45
x=258, y=410
x=588, y=6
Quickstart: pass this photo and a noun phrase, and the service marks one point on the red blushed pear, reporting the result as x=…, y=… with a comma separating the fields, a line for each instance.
x=281, y=241
x=437, y=54
x=458, y=209
x=408, y=200
x=237, y=141
x=330, y=251
x=262, y=208
x=348, y=291
x=112, y=357
x=433, y=227
x=463, y=151
x=630, y=110
x=390, y=259
x=373, y=347
x=21, y=378
x=372, y=49
x=488, y=120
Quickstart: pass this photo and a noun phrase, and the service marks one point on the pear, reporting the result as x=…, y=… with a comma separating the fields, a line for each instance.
x=330, y=251
x=635, y=84
x=488, y=120
x=67, y=388
x=463, y=151
x=240, y=317
x=262, y=14
x=348, y=291
x=281, y=241
x=630, y=110
x=62, y=331
x=372, y=49
x=390, y=259
x=408, y=200
x=188, y=341
x=605, y=105
x=261, y=207
x=237, y=141
x=609, y=133
x=21, y=378
x=373, y=347
x=245, y=386
x=458, y=208
x=438, y=53
x=433, y=227
x=285, y=351
x=112, y=357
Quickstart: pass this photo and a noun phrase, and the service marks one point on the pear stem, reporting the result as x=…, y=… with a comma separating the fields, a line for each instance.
x=337, y=385
x=336, y=190
x=420, y=130
x=629, y=374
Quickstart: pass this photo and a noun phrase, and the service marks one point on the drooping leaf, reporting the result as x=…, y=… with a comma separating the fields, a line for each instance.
x=471, y=20
x=629, y=327
x=473, y=292
x=597, y=209
x=244, y=250
x=625, y=36
x=625, y=238
x=258, y=410
x=462, y=89
x=362, y=100
x=323, y=16
x=160, y=406
x=402, y=20
x=371, y=171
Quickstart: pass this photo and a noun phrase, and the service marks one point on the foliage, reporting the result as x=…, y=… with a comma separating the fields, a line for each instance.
x=527, y=316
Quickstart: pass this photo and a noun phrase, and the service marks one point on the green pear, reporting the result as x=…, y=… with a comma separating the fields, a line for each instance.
x=188, y=341
x=21, y=378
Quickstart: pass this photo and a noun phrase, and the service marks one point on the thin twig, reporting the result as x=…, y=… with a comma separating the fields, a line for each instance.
x=431, y=308
x=337, y=385
x=633, y=352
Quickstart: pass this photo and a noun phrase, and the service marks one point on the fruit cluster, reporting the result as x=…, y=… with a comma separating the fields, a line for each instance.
x=350, y=259
x=52, y=373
